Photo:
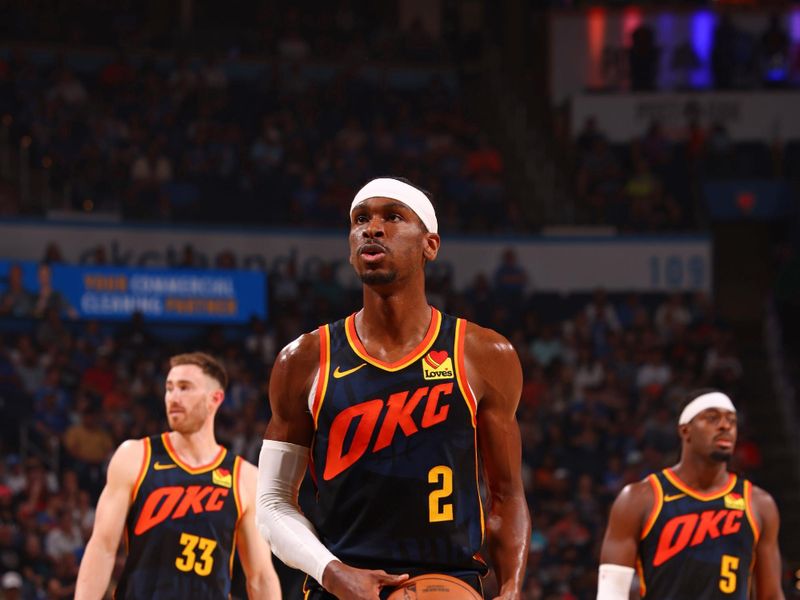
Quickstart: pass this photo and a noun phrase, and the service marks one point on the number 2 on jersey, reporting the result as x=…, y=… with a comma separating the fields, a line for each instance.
x=188, y=560
x=442, y=477
x=727, y=573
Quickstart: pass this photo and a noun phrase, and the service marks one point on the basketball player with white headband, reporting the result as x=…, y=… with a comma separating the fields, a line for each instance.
x=390, y=409
x=695, y=530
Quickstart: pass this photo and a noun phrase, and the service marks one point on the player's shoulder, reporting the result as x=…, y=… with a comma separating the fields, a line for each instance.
x=246, y=468
x=127, y=461
x=302, y=349
x=637, y=496
x=763, y=502
x=486, y=342
x=130, y=449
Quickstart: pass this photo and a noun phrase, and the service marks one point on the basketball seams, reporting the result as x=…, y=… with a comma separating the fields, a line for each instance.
x=422, y=585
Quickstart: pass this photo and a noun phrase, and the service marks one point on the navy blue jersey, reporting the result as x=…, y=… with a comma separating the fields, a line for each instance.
x=394, y=456
x=697, y=546
x=181, y=526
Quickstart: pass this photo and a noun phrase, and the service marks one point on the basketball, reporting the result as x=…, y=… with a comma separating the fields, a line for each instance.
x=435, y=586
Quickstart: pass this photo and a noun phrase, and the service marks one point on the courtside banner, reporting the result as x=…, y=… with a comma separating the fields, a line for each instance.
x=162, y=295
x=553, y=263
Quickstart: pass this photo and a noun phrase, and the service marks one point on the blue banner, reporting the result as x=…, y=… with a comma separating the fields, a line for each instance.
x=748, y=200
x=112, y=293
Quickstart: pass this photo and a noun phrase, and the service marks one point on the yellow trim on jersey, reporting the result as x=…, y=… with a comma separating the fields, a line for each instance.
x=324, y=371
x=237, y=469
x=658, y=504
x=748, y=510
x=478, y=489
x=413, y=356
x=461, y=375
x=640, y=573
x=148, y=452
x=472, y=406
x=697, y=495
x=192, y=470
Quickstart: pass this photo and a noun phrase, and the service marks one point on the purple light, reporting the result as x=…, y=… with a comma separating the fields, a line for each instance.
x=794, y=28
x=703, y=23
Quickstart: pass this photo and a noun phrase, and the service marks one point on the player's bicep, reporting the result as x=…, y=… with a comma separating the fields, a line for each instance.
x=289, y=386
x=768, y=557
x=501, y=450
x=621, y=540
x=500, y=385
x=115, y=500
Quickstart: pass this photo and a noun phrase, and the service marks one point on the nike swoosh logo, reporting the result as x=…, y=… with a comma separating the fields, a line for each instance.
x=159, y=467
x=673, y=497
x=339, y=374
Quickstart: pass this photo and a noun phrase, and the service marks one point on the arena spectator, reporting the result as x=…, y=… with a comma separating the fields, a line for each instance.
x=16, y=301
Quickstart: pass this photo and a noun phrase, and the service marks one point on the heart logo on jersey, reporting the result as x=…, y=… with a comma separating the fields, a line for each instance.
x=222, y=477
x=437, y=365
x=734, y=501
x=436, y=358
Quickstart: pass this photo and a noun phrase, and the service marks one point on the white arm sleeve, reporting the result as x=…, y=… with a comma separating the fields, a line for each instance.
x=281, y=467
x=614, y=582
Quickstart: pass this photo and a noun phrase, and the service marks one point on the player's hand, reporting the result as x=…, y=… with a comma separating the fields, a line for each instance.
x=350, y=583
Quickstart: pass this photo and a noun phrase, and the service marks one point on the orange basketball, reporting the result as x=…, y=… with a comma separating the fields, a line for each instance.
x=435, y=586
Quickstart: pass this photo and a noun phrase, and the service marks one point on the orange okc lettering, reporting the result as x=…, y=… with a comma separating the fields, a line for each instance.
x=398, y=411
x=192, y=498
x=733, y=523
x=708, y=526
x=338, y=460
x=677, y=533
x=217, y=499
x=432, y=416
x=162, y=502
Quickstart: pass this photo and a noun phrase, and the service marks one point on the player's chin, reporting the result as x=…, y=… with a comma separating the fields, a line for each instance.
x=722, y=455
x=377, y=277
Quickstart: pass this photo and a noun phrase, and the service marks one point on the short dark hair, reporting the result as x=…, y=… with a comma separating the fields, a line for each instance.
x=207, y=363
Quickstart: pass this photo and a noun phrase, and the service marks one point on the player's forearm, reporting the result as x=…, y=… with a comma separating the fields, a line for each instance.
x=95, y=572
x=509, y=529
x=263, y=585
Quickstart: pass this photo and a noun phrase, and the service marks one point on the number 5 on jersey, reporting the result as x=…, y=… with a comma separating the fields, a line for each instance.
x=442, y=477
x=727, y=573
x=188, y=560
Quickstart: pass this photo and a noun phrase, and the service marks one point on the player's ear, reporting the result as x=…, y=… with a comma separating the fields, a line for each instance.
x=432, y=243
x=218, y=396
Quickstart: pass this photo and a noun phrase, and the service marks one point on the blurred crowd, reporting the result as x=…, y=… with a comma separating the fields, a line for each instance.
x=654, y=182
x=603, y=378
x=286, y=145
x=343, y=29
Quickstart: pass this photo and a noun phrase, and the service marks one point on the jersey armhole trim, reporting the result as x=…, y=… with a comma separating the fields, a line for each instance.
x=237, y=473
x=658, y=503
x=237, y=470
x=148, y=452
x=640, y=573
x=324, y=370
x=748, y=509
x=461, y=374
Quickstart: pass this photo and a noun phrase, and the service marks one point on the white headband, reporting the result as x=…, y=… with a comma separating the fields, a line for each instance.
x=701, y=403
x=386, y=187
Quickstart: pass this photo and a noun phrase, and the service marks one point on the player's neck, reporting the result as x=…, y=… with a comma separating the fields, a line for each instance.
x=702, y=473
x=390, y=326
x=195, y=449
x=401, y=315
